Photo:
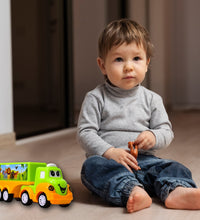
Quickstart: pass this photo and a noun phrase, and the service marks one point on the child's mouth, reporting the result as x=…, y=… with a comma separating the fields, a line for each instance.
x=128, y=77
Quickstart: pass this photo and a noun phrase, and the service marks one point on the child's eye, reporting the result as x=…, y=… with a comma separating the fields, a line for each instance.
x=136, y=58
x=118, y=59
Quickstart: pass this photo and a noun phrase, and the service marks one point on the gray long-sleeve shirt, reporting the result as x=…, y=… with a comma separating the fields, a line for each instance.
x=111, y=117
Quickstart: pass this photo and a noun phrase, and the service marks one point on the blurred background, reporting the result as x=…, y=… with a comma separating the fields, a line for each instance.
x=54, y=51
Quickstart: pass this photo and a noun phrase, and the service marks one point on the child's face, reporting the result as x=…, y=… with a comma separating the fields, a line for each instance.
x=125, y=65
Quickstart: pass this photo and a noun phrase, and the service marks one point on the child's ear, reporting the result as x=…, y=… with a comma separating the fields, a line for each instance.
x=148, y=61
x=101, y=65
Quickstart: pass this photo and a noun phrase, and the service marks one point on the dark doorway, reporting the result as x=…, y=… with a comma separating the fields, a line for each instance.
x=42, y=66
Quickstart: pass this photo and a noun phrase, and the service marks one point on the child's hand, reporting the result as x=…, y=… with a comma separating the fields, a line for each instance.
x=123, y=157
x=145, y=140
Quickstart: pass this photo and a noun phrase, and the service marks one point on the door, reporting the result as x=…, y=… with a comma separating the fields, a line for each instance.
x=42, y=66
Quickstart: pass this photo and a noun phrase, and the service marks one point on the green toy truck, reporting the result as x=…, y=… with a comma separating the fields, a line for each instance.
x=34, y=182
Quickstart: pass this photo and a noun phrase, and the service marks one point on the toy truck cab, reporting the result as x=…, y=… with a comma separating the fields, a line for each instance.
x=51, y=175
x=49, y=188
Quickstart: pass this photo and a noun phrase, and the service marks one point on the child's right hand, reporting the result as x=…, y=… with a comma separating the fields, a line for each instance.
x=123, y=157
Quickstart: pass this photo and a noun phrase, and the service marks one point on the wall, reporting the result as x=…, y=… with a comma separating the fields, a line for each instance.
x=137, y=11
x=89, y=20
x=184, y=60
x=6, y=107
x=7, y=136
x=174, y=70
x=158, y=79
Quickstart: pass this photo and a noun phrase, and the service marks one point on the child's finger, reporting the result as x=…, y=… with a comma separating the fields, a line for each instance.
x=127, y=167
x=132, y=162
x=139, y=140
x=133, y=166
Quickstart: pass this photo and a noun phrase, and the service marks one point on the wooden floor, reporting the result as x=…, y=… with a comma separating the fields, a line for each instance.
x=61, y=148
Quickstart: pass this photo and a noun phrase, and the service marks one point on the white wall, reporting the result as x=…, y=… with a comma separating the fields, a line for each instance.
x=89, y=18
x=6, y=105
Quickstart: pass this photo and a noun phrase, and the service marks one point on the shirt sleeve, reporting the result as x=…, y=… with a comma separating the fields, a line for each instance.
x=89, y=125
x=160, y=124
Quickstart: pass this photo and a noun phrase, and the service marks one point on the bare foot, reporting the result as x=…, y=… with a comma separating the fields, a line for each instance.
x=138, y=199
x=184, y=198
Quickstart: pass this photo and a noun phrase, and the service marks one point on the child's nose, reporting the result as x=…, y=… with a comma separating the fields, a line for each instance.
x=128, y=67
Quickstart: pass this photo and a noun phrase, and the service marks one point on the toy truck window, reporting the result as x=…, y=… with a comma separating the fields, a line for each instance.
x=42, y=174
x=54, y=173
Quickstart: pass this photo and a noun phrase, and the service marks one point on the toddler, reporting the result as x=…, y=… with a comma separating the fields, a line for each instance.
x=121, y=110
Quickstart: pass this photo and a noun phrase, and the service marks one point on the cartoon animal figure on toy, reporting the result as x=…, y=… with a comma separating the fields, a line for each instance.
x=133, y=150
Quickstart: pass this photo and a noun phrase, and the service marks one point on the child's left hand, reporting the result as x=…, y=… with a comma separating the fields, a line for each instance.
x=145, y=140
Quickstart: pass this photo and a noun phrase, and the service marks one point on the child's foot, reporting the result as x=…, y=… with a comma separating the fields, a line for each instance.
x=138, y=199
x=184, y=198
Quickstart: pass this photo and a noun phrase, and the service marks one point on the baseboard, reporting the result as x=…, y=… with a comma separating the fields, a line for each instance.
x=67, y=131
x=7, y=139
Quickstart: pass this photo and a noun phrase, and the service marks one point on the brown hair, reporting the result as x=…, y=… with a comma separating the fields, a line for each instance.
x=124, y=31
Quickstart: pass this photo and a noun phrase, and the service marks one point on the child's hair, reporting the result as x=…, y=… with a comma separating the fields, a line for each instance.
x=124, y=31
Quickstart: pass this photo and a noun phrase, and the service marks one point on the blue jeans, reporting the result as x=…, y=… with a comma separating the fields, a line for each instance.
x=114, y=183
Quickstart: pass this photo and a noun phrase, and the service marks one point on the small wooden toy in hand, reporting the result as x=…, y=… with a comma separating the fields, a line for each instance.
x=133, y=149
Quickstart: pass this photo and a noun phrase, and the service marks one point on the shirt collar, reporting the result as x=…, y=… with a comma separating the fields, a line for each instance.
x=118, y=92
